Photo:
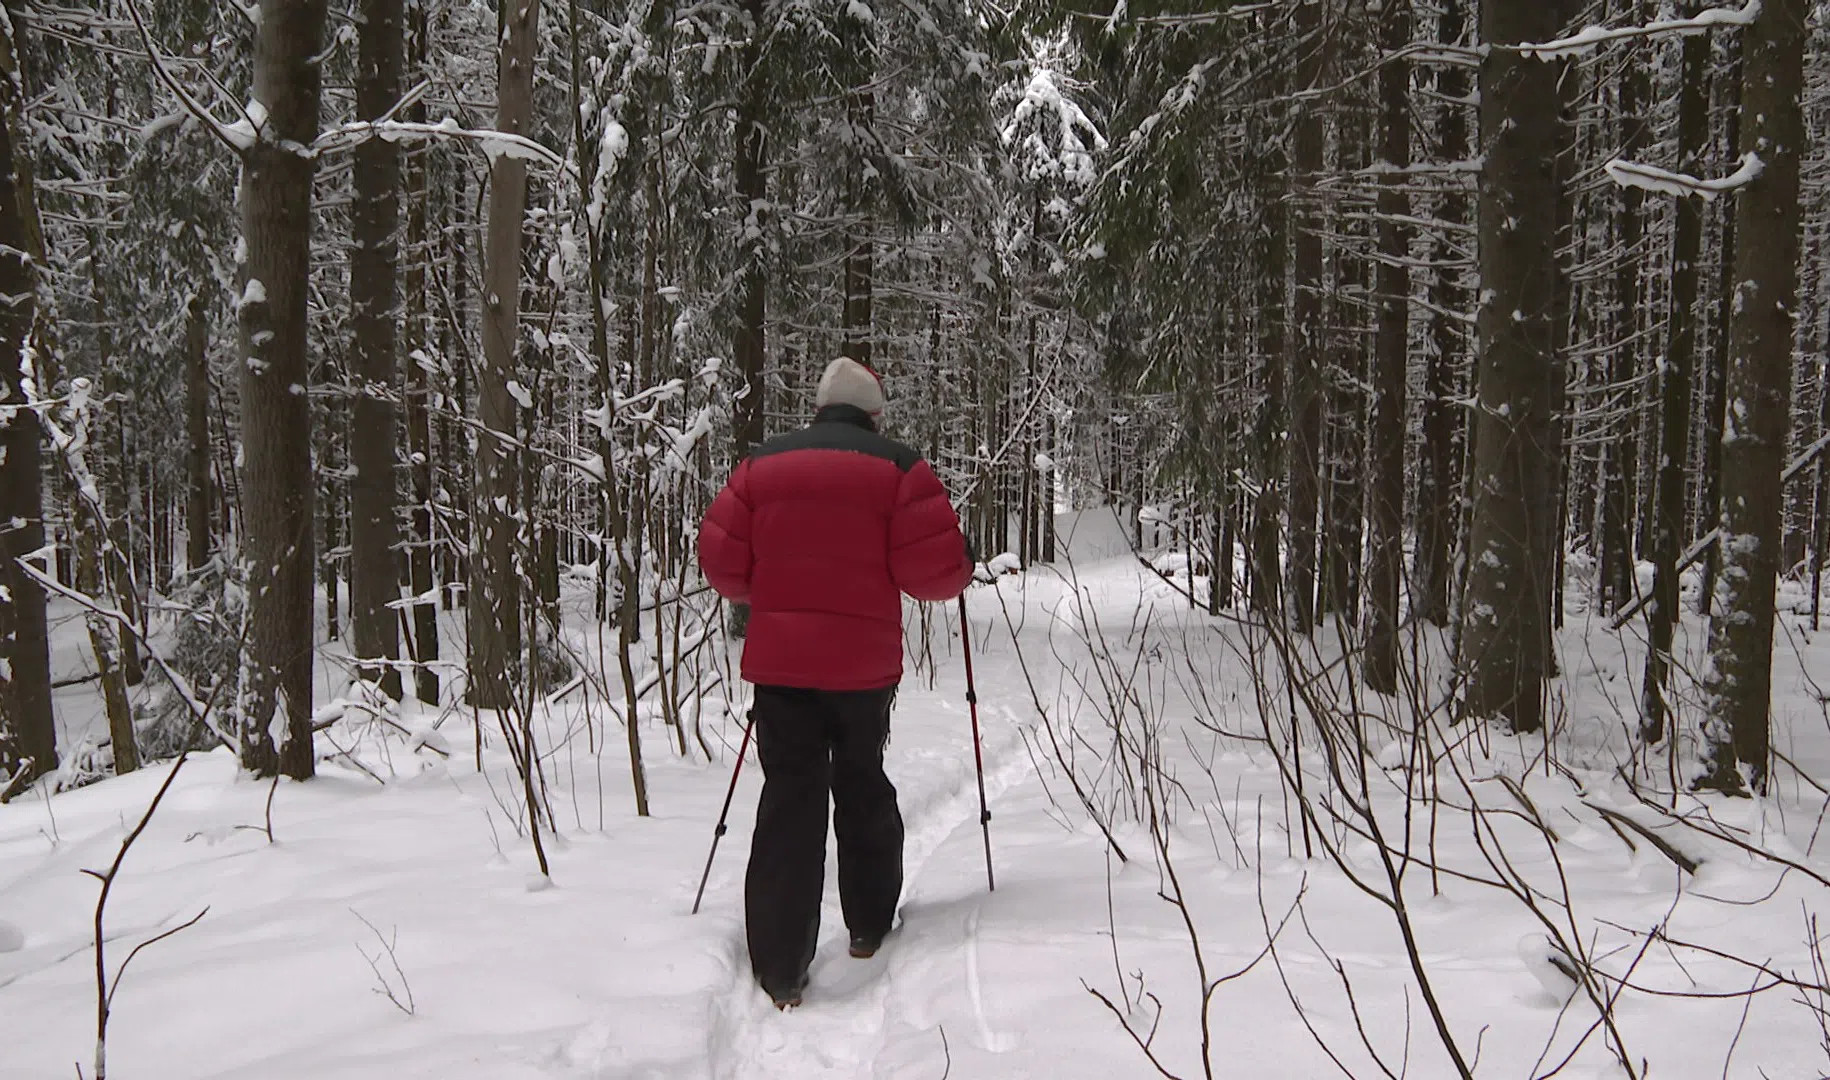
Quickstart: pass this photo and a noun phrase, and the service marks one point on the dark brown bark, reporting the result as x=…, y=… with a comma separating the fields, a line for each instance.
x=751, y=345
x=495, y=575
x=1675, y=389
x=28, y=732
x=374, y=574
x=88, y=534
x=1715, y=414
x=1439, y=470
x=1305, y=340
x=1506, y=617
x=276, y=412
x=417, y=401
x=1267, y=585
x=1738, y=684
x=855, y=333
x=1344, y=472
x=1385, y=501
x=200, y=538
x=1620, y=453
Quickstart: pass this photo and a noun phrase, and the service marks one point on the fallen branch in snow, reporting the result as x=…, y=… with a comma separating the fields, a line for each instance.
x=1652, y=178
x=104, y=989
x=1687, y=863
x=1589, y=37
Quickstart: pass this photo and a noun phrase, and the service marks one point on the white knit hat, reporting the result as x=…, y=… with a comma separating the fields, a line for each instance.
x=847, y=382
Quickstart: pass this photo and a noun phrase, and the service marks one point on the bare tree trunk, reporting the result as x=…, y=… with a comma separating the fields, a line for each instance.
x=495, y=622
x=89, y=533
x=1385, y=551
x=374, y=574
x=28, y=731
x=199, y=542
x=1436, y=491
x=418, y=405
x=1674, y=406
x=1506, y=616
x=1621, y=451
x=276, y=413
x=1267, y=588
x=856, y=332
x=1715, y=415
x=751, y=346
x=1304, y=342
x=1738, y=685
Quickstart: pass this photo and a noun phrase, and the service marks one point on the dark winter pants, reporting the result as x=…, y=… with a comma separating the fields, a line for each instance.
x=810, y=743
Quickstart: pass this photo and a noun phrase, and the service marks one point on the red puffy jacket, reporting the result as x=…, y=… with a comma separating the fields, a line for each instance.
x=819, y=531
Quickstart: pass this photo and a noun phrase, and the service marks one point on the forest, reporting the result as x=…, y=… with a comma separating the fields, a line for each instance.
x=1418, y=408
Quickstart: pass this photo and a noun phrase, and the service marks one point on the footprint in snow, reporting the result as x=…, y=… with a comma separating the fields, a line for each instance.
x=12, y=939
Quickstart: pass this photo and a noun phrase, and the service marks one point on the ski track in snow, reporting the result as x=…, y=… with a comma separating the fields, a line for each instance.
x=841, y=1028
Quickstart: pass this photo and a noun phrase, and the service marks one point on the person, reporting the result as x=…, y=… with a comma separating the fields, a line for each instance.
x=820, y=530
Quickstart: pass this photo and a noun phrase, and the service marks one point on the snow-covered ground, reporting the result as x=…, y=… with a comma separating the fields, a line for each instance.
x=415, y=881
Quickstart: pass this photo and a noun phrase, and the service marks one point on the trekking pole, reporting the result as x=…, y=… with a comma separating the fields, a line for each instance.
x=718, y=833
x=978, y=753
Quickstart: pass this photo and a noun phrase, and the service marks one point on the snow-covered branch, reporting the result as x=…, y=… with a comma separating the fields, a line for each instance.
x=1652, y=178
x=1591, y=36
x=226, y=133
x=493, y=143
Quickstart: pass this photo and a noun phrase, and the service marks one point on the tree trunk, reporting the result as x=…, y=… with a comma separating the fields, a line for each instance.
x=199, y=540
x=1506, y=616
x=28, y=732
x=89, y=533
x=1620, y=450
x=417, y=400
x=1385, y=551
x=859, y=256
x=1304, y=342
x=1715, y=416
x=374, y=573
x=276, y=412
x=1738, y=686
x=1674, y=405
x=1266, y=505
x=1436, y=493
x=751, y=345
x=495, y=625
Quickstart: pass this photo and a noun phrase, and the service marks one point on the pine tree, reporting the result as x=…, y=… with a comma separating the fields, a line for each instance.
x=276, y=207
x=1506, y=616
x=374, y=315
x=496, y=568
x=1385, y=554
x=28, y=734
x=1738, y=684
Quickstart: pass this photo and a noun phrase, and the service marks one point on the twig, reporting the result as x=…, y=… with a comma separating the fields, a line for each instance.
x=104, y=992
x=386, y=988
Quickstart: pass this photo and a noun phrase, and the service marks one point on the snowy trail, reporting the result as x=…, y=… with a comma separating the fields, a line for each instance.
x=841, y=1029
